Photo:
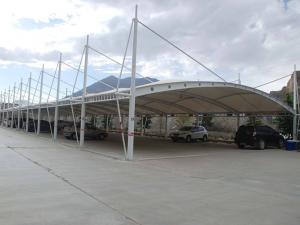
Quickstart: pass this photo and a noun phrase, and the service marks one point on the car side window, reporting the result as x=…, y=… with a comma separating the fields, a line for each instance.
x=260, y=129
x=270, y=130
x=263, y=129
x=266, y=129
x=201, y=129
x=249, y=130
x=194, y=129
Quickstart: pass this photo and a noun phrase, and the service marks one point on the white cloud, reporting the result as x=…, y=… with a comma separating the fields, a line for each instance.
x=258, y=38
x=79, y=19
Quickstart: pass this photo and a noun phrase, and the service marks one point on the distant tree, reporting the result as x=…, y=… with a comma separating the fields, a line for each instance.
x=147, y=122
x=207, y=121
x=253, y=121
x=104, y=121
x=183, y=120
x=285, y=122
x=93, y=120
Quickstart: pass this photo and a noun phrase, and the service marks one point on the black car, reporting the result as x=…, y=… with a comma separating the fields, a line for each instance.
x=90, y=132
x=259, y=137
x=32, y=126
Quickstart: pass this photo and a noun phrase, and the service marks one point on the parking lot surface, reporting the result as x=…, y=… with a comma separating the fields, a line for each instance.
x=46, y=182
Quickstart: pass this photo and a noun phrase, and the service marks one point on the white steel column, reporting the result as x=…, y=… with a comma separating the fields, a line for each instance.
x=160, y=125
x=82, y=118
x=142, y=125
x=131, y=116
x=28, y=102
x=13, y=107
x=57, y=98
x=40, y=102
x=166, y=127
x=238, y=118
x=8, y=107
x=20, y=104
x=1, y=107
x=3, y=115
x=106, y=122
x=295, y=128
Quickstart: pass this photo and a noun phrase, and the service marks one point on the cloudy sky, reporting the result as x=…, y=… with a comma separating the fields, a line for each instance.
x=257, y=38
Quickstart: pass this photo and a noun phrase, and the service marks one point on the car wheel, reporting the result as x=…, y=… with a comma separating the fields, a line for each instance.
x=261, y=144
x=73, y=136
x=241, y=146
x=281, y=144
x=204, y=139
x=188, y=138
x=101, y=137
x=174, y=139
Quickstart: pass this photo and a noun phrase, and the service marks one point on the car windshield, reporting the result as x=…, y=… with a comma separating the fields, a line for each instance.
x=185, y=128
x=246, y=129
x=265, y=129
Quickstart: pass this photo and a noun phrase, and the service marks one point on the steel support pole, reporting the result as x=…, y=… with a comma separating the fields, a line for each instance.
x=8, y=107
x=295, y=128
x=1, y=108
x=40, y=102
x=238, y=121
x=166, y=126
x=4, y=103
x=57, y=98
x=20, y=103
x=160, y=125
x=106, y=123
x=142, y=125
x=13, y=107
x=131, y=116
x=122, y=121
x=197, y=120
x=238, y=118
x=82, y=118
x=28, y=102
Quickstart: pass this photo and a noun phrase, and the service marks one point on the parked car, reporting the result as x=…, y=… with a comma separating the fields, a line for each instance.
x=61, y=124
x=32, y=126
x=90, y=132
x=259, y=137
x=190, y=133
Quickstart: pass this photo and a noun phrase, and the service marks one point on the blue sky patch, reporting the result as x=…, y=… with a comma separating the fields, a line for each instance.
x=285, y=2
x=31, y=24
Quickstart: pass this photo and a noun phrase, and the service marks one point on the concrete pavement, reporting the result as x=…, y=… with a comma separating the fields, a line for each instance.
x=42, y=182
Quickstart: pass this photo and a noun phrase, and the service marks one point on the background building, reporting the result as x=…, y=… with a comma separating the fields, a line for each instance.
x=288, y=89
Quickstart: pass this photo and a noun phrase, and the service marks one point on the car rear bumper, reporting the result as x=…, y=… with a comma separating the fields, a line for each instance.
x=250, y=141
x=177, y=136
x=68, y=134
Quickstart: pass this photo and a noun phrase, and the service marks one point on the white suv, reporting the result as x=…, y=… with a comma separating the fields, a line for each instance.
x=189, y=133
